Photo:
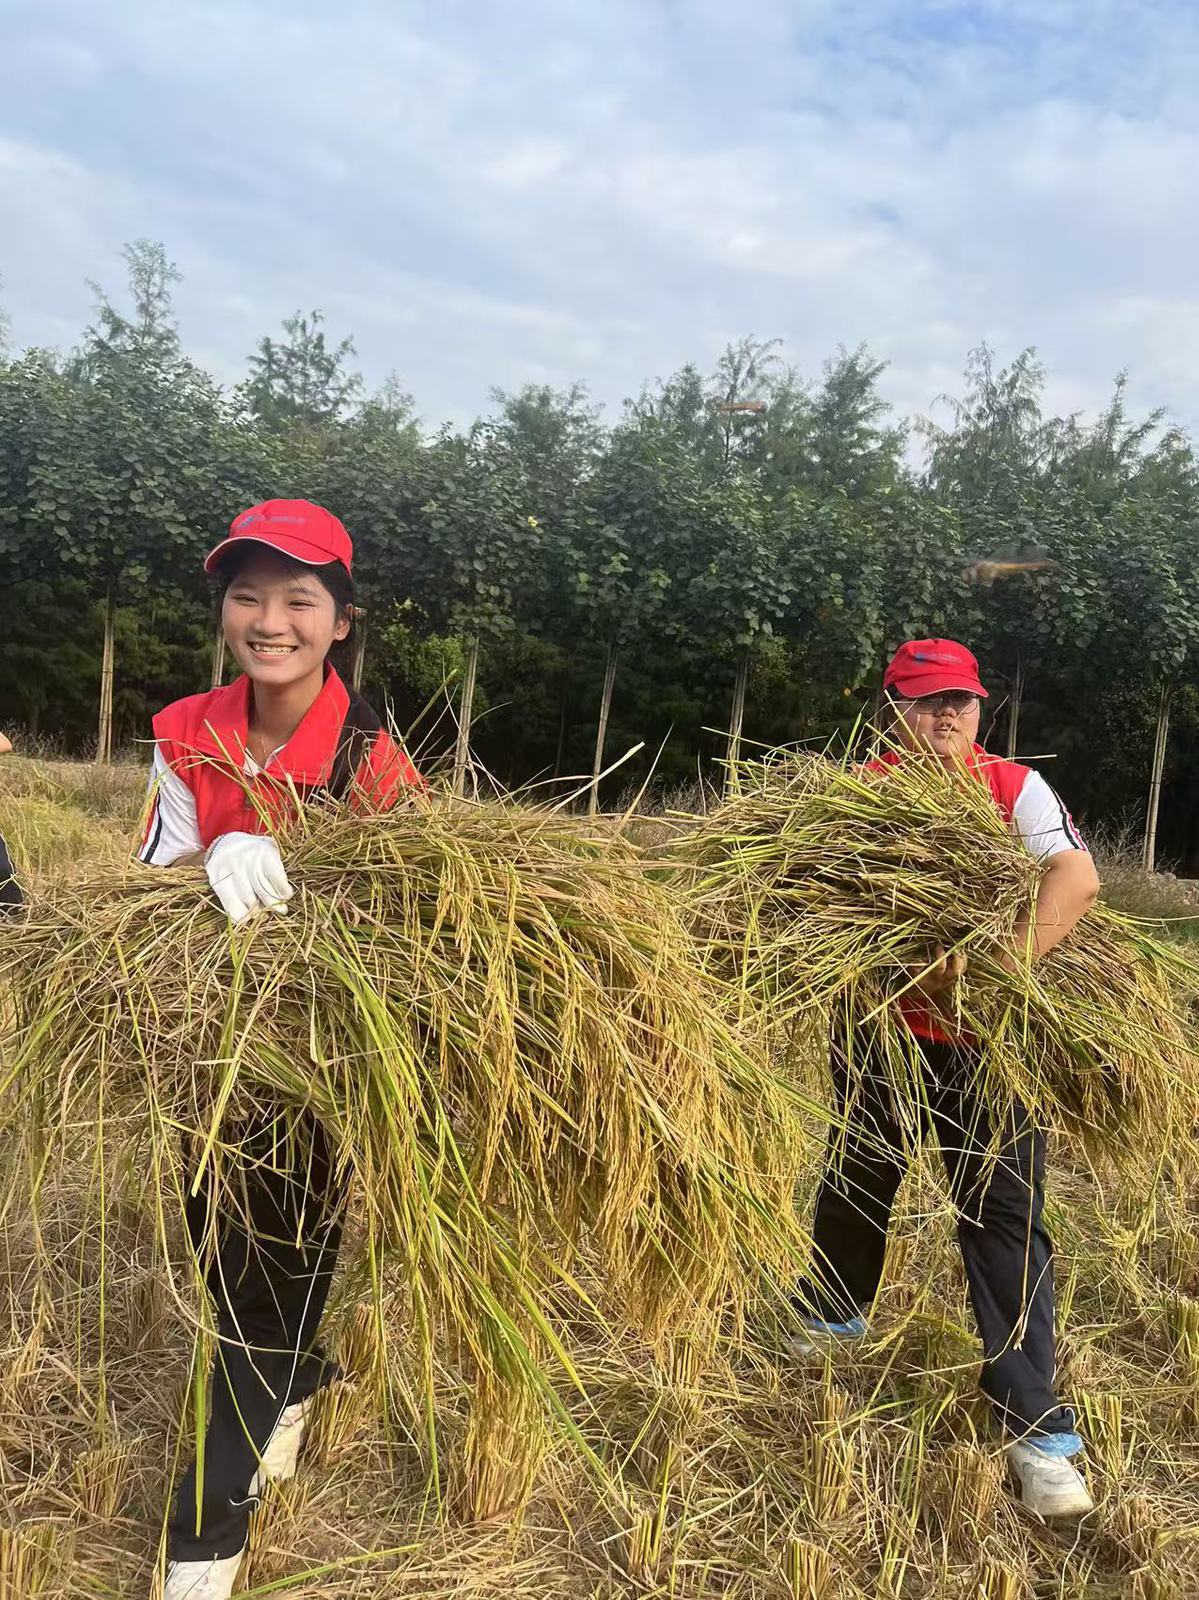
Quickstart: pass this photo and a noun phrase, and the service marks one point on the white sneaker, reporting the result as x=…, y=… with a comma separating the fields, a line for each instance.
x=278, y=1463
x=1050, y=1485
x=202, y=1580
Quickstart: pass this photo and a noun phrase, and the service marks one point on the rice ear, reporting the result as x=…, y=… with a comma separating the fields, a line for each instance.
x=496, y=1015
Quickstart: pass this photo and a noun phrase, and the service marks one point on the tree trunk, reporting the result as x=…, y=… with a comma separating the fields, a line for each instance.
x=1013, y=716
x=738, y=721
x=359, y=664
x=462, y=749
x=601, y=733
x=218, y=657
x=1155, y=777
x=104, y=731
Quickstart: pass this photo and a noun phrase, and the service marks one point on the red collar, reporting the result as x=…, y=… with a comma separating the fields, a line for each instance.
x=308, y=755
x=976, y=760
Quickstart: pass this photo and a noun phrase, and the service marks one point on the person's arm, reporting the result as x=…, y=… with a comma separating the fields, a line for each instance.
x=244, y=869
x=1069, y=885
x=5, y=744
x=172, y=836
x=1067, y=891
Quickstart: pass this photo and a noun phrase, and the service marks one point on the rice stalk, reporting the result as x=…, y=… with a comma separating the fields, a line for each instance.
x=1109, y=1443
x=645, y=1537
x=817, y=892
x=808, y=1570
x=99, y=1476
x=830, y=1457
x=995, y=1581
x=1184, y=1317
x=1135, y=1527
x=497, y=1018
x=29, y=1559
x=960, y=1493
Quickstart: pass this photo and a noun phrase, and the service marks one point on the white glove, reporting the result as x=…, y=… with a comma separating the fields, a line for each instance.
x=246, y=871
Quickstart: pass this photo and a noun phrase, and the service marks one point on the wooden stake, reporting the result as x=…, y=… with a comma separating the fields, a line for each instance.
x=601, y=735
x=218, y=657
x=1013, y=717
x=104, y=732
x=359, y=651
x=737, y=722
x=1161, y=738
x=462, y=749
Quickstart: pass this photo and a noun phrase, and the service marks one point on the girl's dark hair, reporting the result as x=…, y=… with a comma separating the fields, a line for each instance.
x=333, y=577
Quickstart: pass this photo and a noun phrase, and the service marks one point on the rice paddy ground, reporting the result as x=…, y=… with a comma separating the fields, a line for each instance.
x=872, y=1475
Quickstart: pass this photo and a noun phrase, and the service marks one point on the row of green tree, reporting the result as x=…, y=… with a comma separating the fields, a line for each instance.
x=732, y=560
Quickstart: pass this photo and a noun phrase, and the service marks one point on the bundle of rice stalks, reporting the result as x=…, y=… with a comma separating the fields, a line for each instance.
x=500, y=1024
x=819, y=889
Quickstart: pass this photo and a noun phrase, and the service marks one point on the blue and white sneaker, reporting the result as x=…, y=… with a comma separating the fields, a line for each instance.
x=1050, y=1484
x=815, y=1336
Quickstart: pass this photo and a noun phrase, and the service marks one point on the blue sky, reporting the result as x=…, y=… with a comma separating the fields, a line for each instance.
x=548, y=190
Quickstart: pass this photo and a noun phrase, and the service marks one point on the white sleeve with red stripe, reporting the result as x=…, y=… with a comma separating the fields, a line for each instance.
x=1041, y=821
x=172, y=830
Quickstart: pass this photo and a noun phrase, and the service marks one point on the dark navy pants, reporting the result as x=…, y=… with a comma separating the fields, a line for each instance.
x=268, y=1260
x=998, y=1189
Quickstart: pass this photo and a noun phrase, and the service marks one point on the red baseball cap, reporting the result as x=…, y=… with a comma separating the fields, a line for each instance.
x=932, y=666
x=295, y=528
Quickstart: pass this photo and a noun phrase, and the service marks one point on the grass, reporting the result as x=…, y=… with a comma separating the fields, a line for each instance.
x=56, y=816
x=747, y=1476
x=1169, y=902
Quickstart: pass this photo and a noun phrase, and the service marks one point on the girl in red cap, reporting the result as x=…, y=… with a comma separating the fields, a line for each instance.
x=935, y=697
x=227, y=766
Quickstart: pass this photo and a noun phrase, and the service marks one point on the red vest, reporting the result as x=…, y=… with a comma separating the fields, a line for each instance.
x=203, y=740
x=1005, y=779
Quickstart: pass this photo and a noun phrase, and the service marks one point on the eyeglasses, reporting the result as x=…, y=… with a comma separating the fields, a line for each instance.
x=956, y=701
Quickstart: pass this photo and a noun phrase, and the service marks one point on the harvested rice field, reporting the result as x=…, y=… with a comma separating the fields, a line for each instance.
x=665, y=1455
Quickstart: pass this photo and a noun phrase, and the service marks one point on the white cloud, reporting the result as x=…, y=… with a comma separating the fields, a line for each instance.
x=557, y=190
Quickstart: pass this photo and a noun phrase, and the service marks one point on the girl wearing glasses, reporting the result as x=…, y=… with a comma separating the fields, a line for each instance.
x=996, y=1176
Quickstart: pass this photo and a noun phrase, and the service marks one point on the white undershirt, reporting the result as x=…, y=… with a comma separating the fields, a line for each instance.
x=1041, y=822
x=174, y=830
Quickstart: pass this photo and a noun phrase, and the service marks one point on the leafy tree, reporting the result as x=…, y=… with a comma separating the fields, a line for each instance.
x=681, y=406
x=1148, y=558
x=852, y=448
x=739, y=387
x=474, y=547
x=301, y=379
x=554, y=440
x=149, y=334
x=999, y=438
x=643, y=512
x=733, y=583
x=1104, y=459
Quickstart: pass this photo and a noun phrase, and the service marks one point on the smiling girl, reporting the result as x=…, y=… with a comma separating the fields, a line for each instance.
x=228, y=768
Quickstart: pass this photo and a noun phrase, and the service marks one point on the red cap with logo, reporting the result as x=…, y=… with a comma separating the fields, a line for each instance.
x=932, y=666
x=295, y=528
